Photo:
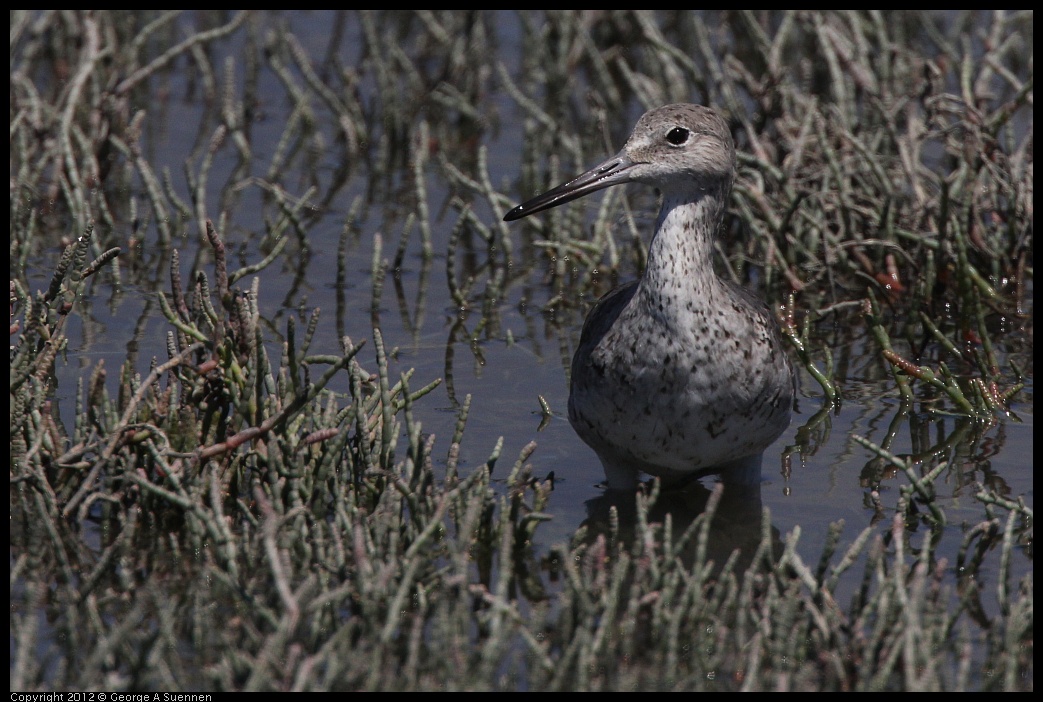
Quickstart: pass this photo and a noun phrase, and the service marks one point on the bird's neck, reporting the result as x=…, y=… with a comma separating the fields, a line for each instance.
x=680, y=257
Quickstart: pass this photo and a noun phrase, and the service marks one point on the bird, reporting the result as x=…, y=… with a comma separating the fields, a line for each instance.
x=679, y=373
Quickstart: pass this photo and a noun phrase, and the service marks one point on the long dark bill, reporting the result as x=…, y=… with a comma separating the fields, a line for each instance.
x=611, y=172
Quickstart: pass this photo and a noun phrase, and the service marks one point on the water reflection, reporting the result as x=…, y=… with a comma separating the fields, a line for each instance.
x=735, y=529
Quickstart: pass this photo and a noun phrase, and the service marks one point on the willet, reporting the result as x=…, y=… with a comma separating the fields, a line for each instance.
x=679, y=373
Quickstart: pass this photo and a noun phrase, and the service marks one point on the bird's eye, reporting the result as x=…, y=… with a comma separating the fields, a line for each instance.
x=678, y=136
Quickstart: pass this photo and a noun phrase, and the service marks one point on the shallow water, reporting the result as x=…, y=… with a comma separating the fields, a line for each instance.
x=521, y=353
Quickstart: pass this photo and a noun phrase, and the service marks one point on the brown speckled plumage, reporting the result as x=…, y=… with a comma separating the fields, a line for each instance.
x=678, y=373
